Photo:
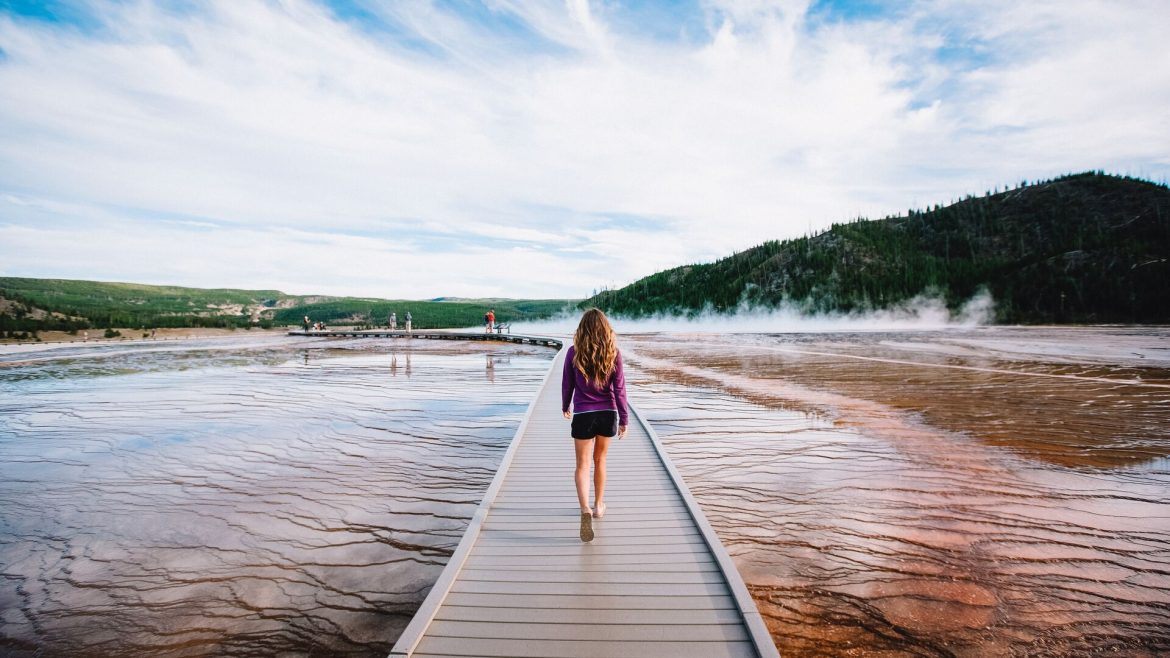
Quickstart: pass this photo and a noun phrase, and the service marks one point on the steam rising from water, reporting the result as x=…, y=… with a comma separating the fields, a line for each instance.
x=926, y=312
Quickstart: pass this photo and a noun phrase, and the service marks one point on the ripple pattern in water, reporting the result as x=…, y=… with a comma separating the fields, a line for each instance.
x=287, y=498
x=882, y=509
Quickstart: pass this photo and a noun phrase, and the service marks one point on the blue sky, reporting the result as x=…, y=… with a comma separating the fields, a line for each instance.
x=534, y=149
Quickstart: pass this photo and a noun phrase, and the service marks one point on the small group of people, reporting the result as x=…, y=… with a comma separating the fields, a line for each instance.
x=489, y=321
x=316, y=326
x=392, y=321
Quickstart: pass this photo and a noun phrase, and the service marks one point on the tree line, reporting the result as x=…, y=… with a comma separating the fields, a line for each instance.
x=28, y=306
x=1080, y=248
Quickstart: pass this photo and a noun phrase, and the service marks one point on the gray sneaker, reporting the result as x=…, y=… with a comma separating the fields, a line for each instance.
x=586, y=526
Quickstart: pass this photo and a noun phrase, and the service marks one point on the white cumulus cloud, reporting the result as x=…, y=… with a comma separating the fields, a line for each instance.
x=537, y=148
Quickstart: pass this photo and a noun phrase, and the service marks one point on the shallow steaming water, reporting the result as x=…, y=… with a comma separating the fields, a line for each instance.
x=224, y=499
x=991, y=492
x=976, y=492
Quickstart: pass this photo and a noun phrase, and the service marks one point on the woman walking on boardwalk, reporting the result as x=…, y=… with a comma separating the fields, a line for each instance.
x=593, y=380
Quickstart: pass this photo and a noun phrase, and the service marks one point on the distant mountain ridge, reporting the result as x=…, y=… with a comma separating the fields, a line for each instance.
x=1083, y=248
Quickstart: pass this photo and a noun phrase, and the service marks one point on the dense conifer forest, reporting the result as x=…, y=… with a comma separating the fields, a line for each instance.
x=1084, y=248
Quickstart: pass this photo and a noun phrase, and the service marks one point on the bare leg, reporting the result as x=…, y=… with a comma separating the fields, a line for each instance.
x=599, y=452
x=584, y=450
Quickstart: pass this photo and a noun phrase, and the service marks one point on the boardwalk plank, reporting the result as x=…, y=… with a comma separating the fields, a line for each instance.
x=648, y=550
x=572, y=615
x=726, y=632
x=628, y=535
x=571, y=507
x=589, y=589
x=599, y=565
x=600, y=561
x=591, y=602
x=570, y=498
x=684, y=536
x=616, y=534
x=450, y=646
x=571, y=576
x=624, y=511
x=611, y=523
x=612, y=489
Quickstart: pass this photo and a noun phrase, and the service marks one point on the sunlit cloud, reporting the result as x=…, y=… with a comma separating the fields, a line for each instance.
x=419, y=149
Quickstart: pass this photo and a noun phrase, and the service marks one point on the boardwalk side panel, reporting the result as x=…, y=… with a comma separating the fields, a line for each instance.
x=422, y=619
x=743, y=598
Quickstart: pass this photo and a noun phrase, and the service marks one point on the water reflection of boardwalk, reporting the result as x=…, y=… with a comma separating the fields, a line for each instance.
x=654, y=582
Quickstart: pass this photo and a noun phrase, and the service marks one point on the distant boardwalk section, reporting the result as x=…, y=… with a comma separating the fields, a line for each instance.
x=654, y=582
x=430, y=335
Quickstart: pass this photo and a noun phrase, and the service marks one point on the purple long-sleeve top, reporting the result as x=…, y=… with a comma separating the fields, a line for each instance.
x=587, y=397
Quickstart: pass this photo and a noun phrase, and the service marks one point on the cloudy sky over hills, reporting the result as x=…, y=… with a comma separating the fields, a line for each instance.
x=534, y=149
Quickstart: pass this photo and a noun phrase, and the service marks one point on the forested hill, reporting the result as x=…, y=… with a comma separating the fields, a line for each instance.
x=31, y=305
x=1082, y=248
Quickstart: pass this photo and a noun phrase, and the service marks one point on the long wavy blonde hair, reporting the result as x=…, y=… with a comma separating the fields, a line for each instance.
x=596, y=346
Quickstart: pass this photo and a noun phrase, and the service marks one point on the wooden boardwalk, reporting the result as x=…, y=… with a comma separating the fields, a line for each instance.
x=654, y=582
x=432, y=334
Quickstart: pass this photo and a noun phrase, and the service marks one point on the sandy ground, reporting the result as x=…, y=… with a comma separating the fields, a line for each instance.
x=55, y=340
x=95, y=335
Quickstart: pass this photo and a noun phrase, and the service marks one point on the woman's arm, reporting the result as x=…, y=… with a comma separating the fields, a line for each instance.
x=619, y=395
x=567, y=382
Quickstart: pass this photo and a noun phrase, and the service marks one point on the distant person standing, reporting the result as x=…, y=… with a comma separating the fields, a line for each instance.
x=408, y=320
x=594, y=381
x=393, y=322
x=305, y=324
x=491, y=320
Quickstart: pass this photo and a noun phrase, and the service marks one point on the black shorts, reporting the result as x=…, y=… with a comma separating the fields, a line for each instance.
x=589, y=424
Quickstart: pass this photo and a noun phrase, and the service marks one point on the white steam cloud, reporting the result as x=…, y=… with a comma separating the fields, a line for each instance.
x=925, y=312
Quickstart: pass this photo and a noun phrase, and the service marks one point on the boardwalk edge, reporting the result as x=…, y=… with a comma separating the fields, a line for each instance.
x=422, y=619
x=752, y=618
